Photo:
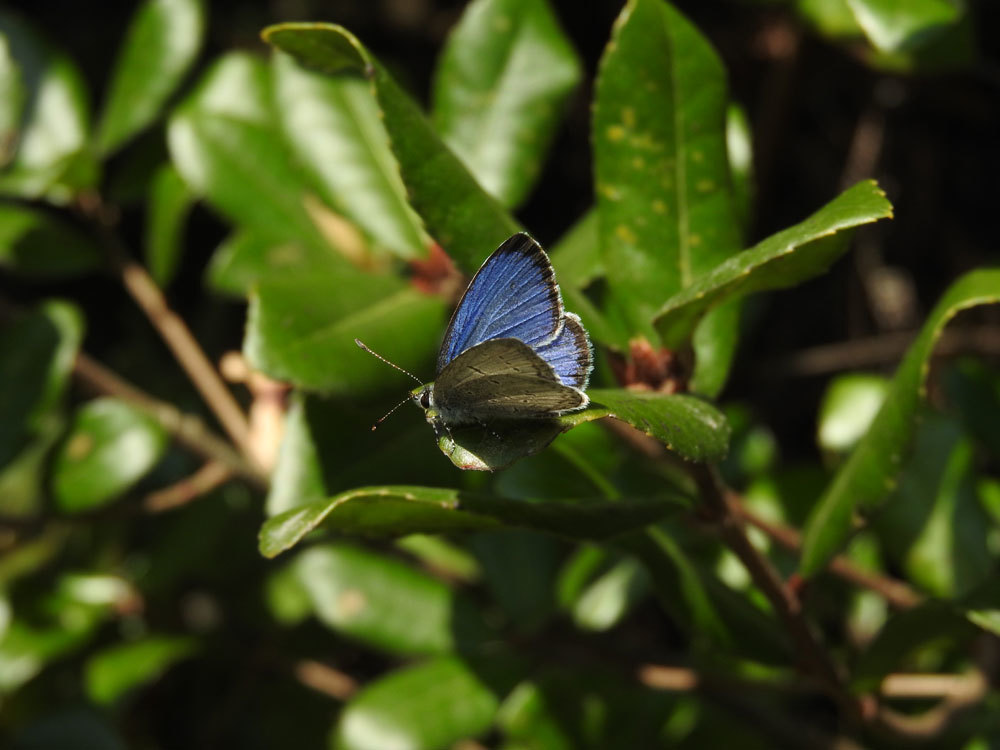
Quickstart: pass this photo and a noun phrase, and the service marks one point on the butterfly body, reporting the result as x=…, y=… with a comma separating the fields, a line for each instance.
x=511, y=355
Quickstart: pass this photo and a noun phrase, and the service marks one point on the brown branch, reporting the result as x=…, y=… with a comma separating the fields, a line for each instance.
x=812, y=656
x=186, y=349
x=187, y=429
x=325, y=679
x=967, y=691
x=207, y=478
x=897, y=593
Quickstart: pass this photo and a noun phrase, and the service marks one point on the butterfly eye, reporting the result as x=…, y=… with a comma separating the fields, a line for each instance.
x=425, y=399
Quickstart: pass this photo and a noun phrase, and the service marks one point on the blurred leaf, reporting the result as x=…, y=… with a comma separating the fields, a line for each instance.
x=302, y=330
x=112, y=672
x=529, y=723
x=245, y=258
x=782, y=260
x=211, y=136
x=667, y=212
x=385, y=603
x=903, y=634
x=849, y=405
x=398, y=511
x=715, y=340
x=577, y=571
x=519, y=569
x=40, y=245
x=286, y=595
x=739, y=148
x=332, y=124
x=52, y=158
x=869, y=474
x=893, y=25
x=110, y=446
x=868, y=609
x=467, y=222
x=37, y=353
x=430, y=705
x=502, y=81
x=166, y=213
x=160, y=45
x=934, y=525
x=297, y=477
x=605, y=601
x=12, y=100
x=442, y=556
x=23, y=481
x=576, y=258
x=973, y=386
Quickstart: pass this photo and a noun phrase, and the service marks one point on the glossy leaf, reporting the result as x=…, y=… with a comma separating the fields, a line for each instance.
x=116, y=670
x=373, y=599
x=303, y=330
x=211, y=137
x=400, y=510
x=160, y=45
x=110, y=446
x=332, y=124
x=869, y=474
x=429, y=705
x=784, y=259
x=667, y=211
x=501, y=83
x=41, y=245
x=12, y=100
x=576, y=258
x=37, y=353
x=893, y=25
x=52, y=158
x=466, y=221
x=847, y=410
x=170, y=201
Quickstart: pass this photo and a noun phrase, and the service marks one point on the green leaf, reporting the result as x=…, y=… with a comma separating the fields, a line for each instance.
x=160, y=45
x=12, y=101
x=934, y=526
x=375, y=599
x=38, y=244
x=400, y=510
x=110, y=446
x=869, y=474
x=430, y=705
x=303, y=330
x=606, y=600
x=52, y=158
x=36, y=357
x=848, y=407
x=894, y=25
x=170, y=201
x=245, y=258
x=782, y=260
x=112, y=672
x=332, y=124
x=905, y=633
x=465, y=220
x=576, y=258
x=228, y=117
x=499, y=90
x=667, y=211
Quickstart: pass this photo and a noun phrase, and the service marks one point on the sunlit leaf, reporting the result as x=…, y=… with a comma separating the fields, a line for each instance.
x=110, y=446
x=848, y=408
x=398, y=511
x=12, y=100
x=501, y=84
x=782, y=260
x=892, y=25
x=467, y=222
x=112, y=672
x=869, y=474
x=162, y=41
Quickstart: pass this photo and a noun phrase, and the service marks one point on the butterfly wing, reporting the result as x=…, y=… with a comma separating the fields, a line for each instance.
x=570, y=353
x=513, y=295
x=502, y=379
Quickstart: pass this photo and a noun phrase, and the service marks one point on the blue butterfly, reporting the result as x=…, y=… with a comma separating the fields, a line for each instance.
x=511, y=353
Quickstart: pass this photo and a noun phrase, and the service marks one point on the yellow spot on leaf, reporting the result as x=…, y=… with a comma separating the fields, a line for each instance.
x=351, y=602
x=625, y=234
x=638, y=162
x=80, y=446
x=628, y=117
x=704, y=186
x=659, y=207
x=501, y=23
x=615, y=132
x=697, y=156
x=610, y=192
x=694, y=240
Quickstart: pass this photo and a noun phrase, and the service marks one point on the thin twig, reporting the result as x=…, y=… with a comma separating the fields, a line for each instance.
x=189, y=430
x=934, y=722
x=784, y=601
x=325, y=679
x=207, y=478
x=897, y=593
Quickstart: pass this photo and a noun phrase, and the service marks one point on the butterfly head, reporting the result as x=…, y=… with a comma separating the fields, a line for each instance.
x=423, y=396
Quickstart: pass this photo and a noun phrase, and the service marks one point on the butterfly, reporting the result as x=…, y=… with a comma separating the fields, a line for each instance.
x=512, y=358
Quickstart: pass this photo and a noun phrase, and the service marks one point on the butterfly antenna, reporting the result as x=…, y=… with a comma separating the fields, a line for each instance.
x=382, y=419
x=391, y=364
